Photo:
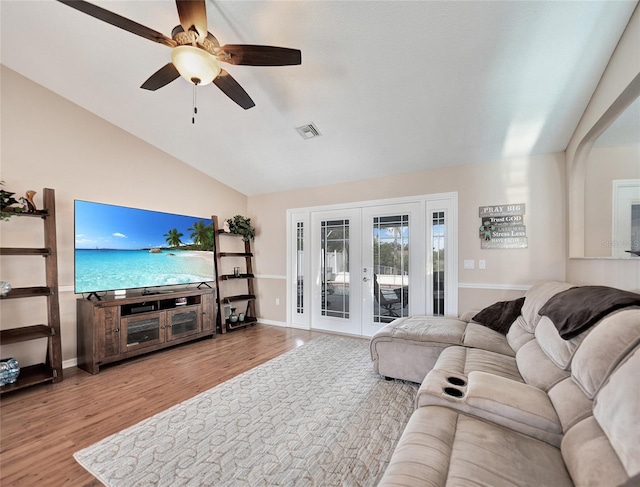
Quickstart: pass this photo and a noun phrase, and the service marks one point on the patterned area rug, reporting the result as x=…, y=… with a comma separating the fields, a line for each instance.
x=315, y=416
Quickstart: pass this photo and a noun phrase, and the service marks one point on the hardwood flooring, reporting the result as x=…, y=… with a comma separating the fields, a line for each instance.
x=41, y=427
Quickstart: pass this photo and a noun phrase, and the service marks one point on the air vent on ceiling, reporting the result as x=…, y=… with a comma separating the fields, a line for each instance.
x=308, y=131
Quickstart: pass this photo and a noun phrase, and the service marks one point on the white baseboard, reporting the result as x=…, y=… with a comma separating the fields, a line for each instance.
x=300, y=327
x=281, y=324
x=72, y=362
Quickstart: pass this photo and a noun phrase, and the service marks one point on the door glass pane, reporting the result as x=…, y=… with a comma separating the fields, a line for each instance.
x=635, y=228
x=143, y=330
x=438, y=244
x=300, y=267
x=390, y=267
x=334, y=275
x=185, y=322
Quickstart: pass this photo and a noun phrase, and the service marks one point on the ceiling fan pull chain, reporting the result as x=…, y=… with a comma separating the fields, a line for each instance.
x=195, y=108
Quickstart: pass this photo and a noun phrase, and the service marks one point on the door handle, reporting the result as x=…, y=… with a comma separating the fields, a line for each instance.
x=365, y=279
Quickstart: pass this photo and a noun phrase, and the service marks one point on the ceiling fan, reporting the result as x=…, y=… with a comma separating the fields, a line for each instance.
x=195, y=53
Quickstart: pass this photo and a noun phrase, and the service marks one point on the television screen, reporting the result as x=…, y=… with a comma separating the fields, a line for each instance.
x=122, y=248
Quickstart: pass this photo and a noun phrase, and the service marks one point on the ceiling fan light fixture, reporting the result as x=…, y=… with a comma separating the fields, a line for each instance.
x=195, y=65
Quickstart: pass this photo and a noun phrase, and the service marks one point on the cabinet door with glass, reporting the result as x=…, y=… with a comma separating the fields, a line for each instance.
x=183, y=321
x=141, y=331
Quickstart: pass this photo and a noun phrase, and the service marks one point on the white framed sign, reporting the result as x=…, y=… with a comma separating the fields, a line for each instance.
x=502, y=227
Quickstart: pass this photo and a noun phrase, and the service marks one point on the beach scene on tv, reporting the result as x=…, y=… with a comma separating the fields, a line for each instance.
x=118, y=247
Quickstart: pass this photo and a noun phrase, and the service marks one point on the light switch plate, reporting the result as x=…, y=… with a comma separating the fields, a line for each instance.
x=482, y=264
x=469, y=264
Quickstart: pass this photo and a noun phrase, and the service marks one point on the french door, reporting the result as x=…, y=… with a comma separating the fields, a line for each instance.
x=335, y=269
x=354, y=269
x=392, y=236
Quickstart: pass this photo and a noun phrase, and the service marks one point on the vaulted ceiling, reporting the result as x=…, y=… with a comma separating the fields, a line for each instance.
x=393, y=86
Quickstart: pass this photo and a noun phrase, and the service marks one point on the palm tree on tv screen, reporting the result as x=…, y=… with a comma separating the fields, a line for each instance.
x=202, y=235
x=173, y=237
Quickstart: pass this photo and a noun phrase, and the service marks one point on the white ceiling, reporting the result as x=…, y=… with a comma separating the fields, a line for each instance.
x=393, y=86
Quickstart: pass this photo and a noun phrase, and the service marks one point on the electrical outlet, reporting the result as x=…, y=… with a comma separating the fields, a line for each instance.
x=470, y=264
x=277, y=301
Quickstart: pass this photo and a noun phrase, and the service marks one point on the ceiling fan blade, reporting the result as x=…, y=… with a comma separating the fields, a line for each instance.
x=160, y=78
x=119, y=21
x=233, y=90
x=252, y=55
x=193, y=13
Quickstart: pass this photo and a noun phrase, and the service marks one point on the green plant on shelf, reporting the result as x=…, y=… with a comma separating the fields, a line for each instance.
x=241, y=225
x=7, y=210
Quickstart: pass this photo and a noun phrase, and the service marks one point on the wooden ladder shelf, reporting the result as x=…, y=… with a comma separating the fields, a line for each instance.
x=51, y=369
x=223, y=323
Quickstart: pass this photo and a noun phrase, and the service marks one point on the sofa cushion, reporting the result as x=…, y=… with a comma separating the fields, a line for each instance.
x=589, y=456
x=602, y=449
x=500, y=316
x=617, y=410
x=560, y=351
x=425, y=329
x=536, y=368
x=570, y=403
x=441, y=446
x=603, y=348
x=463, y=360
x=518, y=334
x=536, y=297
x=423, y=454
x=577, y=309
x=478, y=336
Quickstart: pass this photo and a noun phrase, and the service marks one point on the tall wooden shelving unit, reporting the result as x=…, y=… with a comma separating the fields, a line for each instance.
x=51, y=369
x=222, y=323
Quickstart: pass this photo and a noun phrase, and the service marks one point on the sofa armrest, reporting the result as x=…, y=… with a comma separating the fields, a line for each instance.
x=514, y=405
x=467, y=316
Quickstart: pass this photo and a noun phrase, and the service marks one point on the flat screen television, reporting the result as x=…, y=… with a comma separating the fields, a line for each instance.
x=118, y=248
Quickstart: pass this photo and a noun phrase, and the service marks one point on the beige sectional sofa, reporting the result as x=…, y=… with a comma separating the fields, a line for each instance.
x=528, y=408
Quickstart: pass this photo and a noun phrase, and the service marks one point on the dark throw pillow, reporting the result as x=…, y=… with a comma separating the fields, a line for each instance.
x=577, y=309
x=500, y=316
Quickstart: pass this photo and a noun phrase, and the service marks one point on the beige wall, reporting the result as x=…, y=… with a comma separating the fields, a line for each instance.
x=605, y=165
x=622, y=72
x=537, y=181
x=49, y=142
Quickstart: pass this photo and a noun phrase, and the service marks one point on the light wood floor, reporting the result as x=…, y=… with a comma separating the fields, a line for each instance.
x=43, y=426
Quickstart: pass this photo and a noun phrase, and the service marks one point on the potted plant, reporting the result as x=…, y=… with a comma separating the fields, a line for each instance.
x=7, y=210
x=242, y=226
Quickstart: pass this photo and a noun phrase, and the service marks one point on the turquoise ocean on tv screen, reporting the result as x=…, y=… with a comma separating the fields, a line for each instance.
x=101, y=270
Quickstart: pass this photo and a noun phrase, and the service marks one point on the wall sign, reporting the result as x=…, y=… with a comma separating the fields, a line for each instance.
x=502, y=227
